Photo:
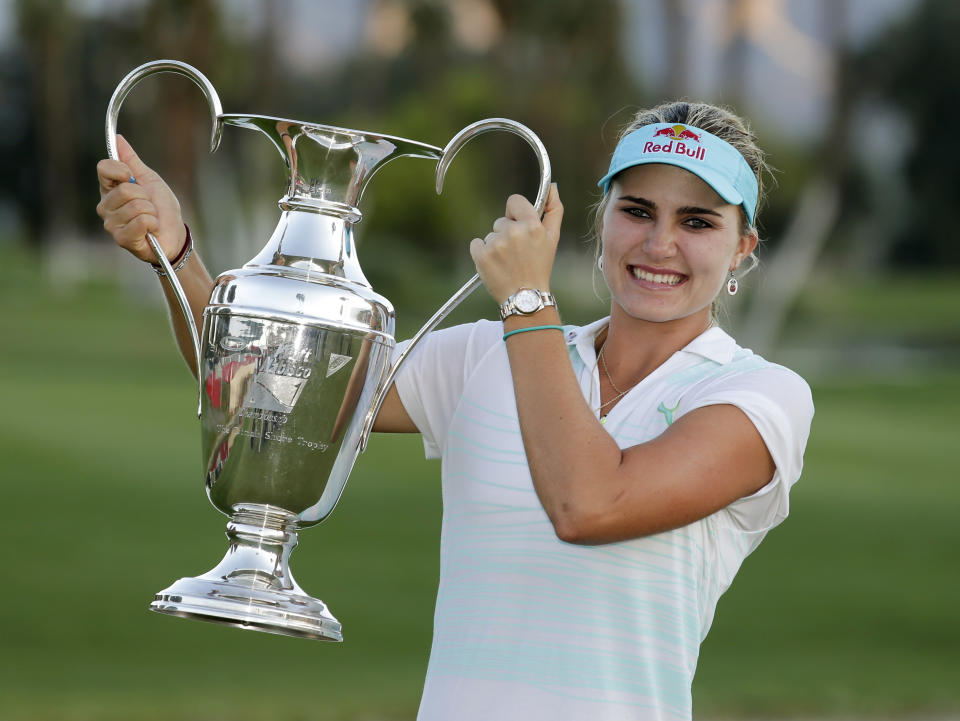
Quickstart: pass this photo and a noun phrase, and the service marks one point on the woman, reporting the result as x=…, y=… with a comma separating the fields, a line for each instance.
x=603, y=484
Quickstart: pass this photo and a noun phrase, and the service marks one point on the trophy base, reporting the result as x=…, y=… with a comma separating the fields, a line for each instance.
x=252, y=586
x=273, y=611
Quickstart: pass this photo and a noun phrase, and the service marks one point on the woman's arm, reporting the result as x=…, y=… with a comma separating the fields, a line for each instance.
x=393, y=417
x=130, y=210
x=593, y=491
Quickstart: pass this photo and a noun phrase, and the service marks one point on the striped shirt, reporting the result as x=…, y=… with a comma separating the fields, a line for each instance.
x=529, y=628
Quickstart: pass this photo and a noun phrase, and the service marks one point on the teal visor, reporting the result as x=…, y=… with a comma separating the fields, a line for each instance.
x=715, y=161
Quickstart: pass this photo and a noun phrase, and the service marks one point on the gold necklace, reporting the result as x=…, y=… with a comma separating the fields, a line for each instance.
x=603, y=362
x=620, y=393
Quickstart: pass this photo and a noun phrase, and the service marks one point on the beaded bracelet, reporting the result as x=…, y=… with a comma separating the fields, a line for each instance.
x=181, y=258
x=533, y=327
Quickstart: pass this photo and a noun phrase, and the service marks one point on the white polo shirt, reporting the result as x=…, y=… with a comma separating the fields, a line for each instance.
x=529, y=628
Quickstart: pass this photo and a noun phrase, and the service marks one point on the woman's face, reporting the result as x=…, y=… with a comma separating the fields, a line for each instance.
x=669, y=242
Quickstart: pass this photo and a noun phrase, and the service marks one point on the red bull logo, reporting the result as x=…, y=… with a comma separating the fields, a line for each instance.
x=676, y=142
x=677, y=132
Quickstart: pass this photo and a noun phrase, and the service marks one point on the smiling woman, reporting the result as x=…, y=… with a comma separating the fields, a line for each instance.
x=602, y=485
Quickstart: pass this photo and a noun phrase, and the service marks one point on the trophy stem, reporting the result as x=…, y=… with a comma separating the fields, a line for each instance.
x=252, y=587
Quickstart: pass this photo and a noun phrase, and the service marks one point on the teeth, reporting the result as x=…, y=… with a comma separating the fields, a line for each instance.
x=641, y=274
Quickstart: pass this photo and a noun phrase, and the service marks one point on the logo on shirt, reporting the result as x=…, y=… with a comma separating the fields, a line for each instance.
x=668, y=412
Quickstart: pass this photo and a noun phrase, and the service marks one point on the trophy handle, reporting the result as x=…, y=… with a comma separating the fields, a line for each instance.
x=452, y=148
x=216, y=111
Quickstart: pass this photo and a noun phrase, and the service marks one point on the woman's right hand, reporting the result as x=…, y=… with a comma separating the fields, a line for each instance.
x=131, y=210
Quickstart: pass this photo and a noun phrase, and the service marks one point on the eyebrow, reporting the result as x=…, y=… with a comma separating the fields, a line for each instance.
x=685, y=210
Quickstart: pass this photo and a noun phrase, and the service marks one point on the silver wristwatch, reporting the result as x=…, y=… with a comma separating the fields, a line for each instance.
x=526, y=301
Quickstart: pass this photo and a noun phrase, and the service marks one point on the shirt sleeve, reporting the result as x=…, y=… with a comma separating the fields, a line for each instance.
x=431, y=380
x=779, y=404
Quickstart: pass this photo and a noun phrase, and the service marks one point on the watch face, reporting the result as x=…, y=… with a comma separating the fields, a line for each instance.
x=527, y=301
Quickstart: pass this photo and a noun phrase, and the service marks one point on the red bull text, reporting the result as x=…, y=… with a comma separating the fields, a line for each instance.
x=677, y=134
x=677, y=147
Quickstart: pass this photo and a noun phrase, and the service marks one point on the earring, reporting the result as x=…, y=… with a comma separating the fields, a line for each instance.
x=600, y=263
x=732, y=284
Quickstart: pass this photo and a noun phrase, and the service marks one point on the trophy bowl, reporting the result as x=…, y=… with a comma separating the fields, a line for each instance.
x=280, y=432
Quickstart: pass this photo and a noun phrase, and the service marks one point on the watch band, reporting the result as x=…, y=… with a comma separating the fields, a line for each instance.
x=525, y=302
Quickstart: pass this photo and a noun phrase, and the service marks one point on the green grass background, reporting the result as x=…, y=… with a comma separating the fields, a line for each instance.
x=849, y=609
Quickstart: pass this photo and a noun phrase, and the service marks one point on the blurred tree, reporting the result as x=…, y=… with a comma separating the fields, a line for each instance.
x=18, y=148
x=187, y=30
x=437, y=66
x=818, y=208
x=736, y=14
x=914, y=65
x=675, y=44
x=533, y=62
x=65, y=65
x=46, y=156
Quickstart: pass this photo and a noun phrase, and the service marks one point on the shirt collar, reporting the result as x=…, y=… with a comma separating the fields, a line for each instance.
x=584, y=338
x=713, y=344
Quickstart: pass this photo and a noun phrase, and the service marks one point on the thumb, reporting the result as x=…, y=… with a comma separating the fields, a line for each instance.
x=553, y=212
x=132, y=160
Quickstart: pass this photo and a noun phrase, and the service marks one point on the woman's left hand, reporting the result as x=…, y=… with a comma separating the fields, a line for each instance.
x=519, y=251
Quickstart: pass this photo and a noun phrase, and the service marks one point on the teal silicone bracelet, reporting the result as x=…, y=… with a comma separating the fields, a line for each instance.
x=533, y=327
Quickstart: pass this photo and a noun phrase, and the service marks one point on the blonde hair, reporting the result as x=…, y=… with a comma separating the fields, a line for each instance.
x=715, y=119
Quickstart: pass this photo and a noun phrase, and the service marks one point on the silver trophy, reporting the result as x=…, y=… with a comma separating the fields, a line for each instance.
x=294, y=361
